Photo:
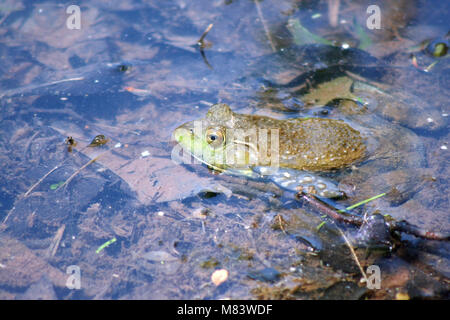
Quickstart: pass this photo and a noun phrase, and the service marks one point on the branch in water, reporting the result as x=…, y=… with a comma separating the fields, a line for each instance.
x=400, y=226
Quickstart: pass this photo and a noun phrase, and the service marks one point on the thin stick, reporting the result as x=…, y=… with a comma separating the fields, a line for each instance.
x=7, y=216
x=55, y=242
x=202, y=45
x=83, y=167
x=406, y=227
x=349, y=245
x=30, y=141
x=332, y=213
x=200, y=41
x=40, y=180
x=79, y=170
x=280, y=222
x=322, y=207
x=266, y=29
x=46, y=175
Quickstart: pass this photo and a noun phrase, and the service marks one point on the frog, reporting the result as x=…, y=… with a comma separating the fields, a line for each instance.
x=238, y=144
x=303, y=147
x=325, y=155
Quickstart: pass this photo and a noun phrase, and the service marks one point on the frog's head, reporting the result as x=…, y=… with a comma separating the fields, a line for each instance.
x=213, y=141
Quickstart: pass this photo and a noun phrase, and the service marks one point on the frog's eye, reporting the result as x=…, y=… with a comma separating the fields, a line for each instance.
x=215, y=137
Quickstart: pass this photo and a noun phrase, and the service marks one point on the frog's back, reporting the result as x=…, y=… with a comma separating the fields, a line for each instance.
x=319, y=144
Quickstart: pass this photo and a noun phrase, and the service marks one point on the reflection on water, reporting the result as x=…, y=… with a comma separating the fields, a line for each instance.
x=133, y=72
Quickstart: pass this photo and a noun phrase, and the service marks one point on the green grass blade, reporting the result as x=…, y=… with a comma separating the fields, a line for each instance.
x=363, y=202
x=106, y=244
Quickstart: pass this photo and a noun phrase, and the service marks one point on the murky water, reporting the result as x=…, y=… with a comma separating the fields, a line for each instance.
x=133, y=72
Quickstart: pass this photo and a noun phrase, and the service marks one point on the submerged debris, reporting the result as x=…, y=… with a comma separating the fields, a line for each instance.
x=71, y=143
x=99, y=140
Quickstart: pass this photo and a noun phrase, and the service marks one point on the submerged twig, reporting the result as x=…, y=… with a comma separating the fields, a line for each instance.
x=202, y=45
x=98, y=141
x=26, y=194
x=329, y=211
x=55, y=242
x=403, y=226
x=322, y=207
x=37, y=183
x=399, y=226
x=266, y=29
x=200, y=41
x=80, y=169
x=202, y=52
x=355, y=257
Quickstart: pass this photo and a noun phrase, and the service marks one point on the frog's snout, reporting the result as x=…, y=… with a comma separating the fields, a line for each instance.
x=183, y=132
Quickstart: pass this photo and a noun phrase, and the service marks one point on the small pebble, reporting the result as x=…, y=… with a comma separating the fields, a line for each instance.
x=145, y=153
x=444, y=147
x=219, y=276
x=160, y=213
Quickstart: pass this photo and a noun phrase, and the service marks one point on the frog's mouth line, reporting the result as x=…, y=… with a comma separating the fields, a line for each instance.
x=203, y=161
